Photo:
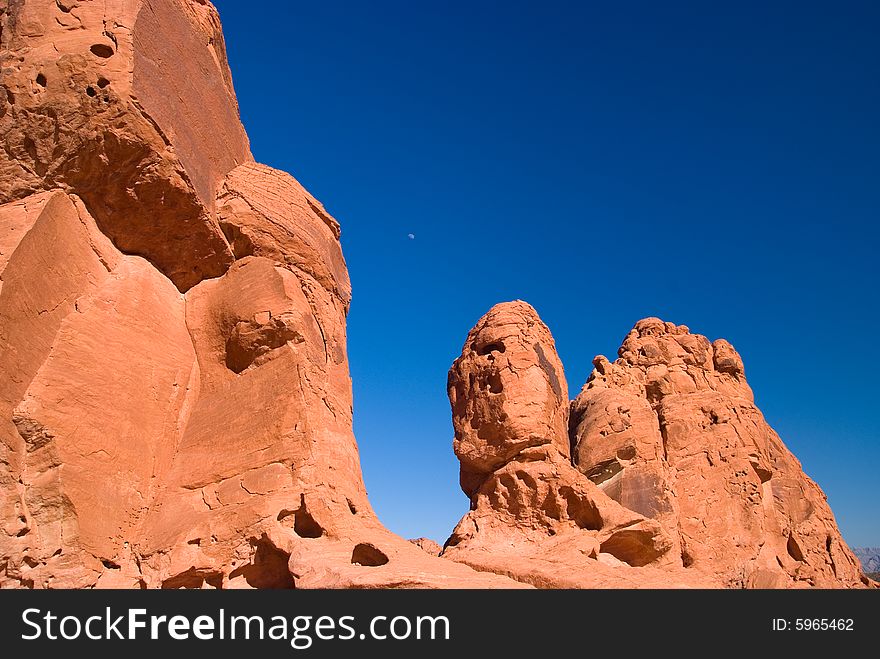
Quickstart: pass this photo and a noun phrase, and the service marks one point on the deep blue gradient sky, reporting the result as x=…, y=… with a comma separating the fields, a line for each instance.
x=713, y=165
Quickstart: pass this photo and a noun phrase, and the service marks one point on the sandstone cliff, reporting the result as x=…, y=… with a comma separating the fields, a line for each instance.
x=176, y=407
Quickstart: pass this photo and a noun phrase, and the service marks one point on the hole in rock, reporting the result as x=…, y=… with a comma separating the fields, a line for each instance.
x=268, y=568
x=581, y=510
x=604, y=470
x=794, y=549
x=495, y=384
x=110, y=565
x=304, y=525
x=193, y=579
x=497, y=346
x=686, y=559
x=763, y=473
x=103, y=82
x=102, y=50
x=631, y=546
x=91, y=91
x=368, y=555
x=41, y=80
x=351, y=506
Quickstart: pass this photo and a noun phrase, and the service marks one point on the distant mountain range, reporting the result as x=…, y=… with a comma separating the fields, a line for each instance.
x=870, y=558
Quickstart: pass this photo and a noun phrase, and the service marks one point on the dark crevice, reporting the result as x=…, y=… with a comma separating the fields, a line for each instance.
x=794, y=549
x=604, y=470
x=304, y=525
x=632, y=546
x=102, y=50
x=489, y=348
x=368, y=555
x=268, y=568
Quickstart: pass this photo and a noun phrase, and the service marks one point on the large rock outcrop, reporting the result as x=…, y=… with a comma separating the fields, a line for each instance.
x=176, y=406
x=533, y=516
x=673, y=479
x=670, y=429
x=130, y=106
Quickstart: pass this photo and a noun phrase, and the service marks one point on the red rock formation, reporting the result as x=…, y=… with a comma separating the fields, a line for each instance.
x=129, y=105
x=177, y=411
x=670, y=430
x=679, y=481
x=533, y=516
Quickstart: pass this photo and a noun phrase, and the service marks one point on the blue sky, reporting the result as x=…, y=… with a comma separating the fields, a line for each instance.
x=716, y=166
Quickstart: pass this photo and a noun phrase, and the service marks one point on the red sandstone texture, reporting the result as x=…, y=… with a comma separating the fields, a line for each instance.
x=176, y=405
x=662, y=472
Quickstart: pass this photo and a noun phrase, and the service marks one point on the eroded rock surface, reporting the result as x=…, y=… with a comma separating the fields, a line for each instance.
x=533, y=516
x=666, y=473
x=176, y=406
x=129, y=105
x=670, y=429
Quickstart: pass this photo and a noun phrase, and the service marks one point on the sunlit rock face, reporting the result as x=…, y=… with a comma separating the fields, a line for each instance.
x=176, y=408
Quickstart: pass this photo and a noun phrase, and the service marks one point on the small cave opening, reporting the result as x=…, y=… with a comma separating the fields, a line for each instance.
x=686, y=559
x=494, y=383
x=103, y=82
x=632, y=546
x=102, y=50
x=368, y=555
x=581, y=510
x=268, y=568
x=41, y=80
x=304, y=525
x=91, y=91
x=496, y=346
x=604, y=470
